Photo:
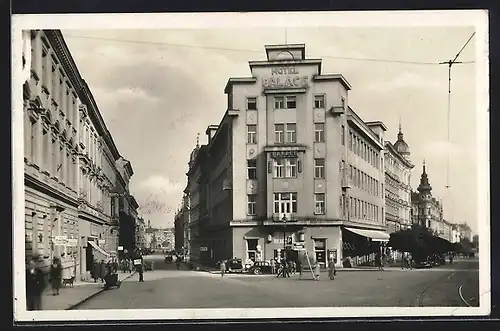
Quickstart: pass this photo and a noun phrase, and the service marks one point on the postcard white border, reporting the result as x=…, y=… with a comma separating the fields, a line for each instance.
x=476, y=18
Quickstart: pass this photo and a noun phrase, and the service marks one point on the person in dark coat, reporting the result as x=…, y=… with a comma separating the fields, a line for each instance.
x=140, y=270
x=102, y=270
x=55, y=276
x=35, y=284
x=95, y=271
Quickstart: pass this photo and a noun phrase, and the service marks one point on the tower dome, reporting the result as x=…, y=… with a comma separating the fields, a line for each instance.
x=195, y=151
x=400, y=145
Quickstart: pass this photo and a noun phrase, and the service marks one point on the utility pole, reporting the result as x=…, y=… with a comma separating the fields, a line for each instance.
x=450, y=63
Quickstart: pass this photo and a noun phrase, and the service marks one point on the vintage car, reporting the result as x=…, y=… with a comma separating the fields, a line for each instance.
x=260, y=267
x=233, y=265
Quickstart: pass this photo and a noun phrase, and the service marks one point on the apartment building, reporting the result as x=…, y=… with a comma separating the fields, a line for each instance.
x=397, y=184
x=69, y=161
x=290, y=167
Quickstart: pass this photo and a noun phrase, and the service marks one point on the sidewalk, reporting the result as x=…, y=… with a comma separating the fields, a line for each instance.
x=71, y=296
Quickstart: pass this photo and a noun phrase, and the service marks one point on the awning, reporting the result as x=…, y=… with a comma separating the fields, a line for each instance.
x=374, y=235
x=97, y=248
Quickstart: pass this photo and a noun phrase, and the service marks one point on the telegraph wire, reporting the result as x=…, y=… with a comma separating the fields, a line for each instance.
x=253, y=51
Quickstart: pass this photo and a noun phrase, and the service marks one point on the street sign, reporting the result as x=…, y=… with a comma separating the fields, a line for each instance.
x=120, y=248
x=203, y=249
x=299, y=246
x=60, y=240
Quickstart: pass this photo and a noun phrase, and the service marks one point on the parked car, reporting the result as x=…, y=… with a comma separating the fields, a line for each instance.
x=233, y=265
x=260, y=267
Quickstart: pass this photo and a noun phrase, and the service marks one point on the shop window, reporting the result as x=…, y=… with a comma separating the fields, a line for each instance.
x=320, y=251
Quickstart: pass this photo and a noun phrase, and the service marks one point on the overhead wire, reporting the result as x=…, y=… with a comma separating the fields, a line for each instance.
x=250, y=50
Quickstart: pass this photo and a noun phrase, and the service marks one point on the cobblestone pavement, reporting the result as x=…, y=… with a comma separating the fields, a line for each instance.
x=449, y=286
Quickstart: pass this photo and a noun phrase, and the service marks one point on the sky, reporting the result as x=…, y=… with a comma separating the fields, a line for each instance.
x=157, y=89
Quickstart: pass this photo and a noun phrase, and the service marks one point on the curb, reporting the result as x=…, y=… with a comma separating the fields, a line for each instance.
x=94, y=294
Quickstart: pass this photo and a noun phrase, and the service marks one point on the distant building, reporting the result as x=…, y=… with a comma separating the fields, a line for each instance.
x=397, y=184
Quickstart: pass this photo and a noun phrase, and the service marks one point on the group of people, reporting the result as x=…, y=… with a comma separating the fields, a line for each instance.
x=101, y=269
x=36, y=282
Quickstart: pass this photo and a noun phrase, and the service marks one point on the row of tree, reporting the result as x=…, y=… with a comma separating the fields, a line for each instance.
x=421, y=242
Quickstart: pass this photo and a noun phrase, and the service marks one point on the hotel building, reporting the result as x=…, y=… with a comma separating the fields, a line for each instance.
x=71, y=178
x=290, y=165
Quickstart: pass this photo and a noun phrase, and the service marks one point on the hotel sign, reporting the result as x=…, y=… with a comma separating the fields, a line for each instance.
x=285, y=78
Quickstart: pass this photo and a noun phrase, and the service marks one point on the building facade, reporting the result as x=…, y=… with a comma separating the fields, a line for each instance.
x=290, y=167
x=69, y=160
x=426, y=210
x=397, y=184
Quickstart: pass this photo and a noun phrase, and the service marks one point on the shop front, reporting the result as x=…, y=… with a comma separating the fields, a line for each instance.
x=360, y=245
x=292, y=241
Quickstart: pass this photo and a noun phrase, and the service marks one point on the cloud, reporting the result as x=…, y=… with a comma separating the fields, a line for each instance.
x=160, y=185
x=405, y=80
x=444, y=149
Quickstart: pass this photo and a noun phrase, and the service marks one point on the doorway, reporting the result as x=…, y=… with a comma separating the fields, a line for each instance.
x=89, y=258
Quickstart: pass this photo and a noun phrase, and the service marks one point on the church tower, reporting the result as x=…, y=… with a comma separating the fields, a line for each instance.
x=401, y=146
x=425, y=199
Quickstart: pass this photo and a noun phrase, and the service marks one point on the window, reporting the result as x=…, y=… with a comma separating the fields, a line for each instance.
x=285, y=203
x=291, y=102
x=290, y=168
x=319, y=101
x=252, y=103
x=278, y=168
x=279, y=103
x=252, y=169
x=252, y=248
x=319, y=203
x=342, y=135
x=252, y=134
x=251, y=204
x=291, y=133
x=319, y=168
x=279, y=133
x=319, y=132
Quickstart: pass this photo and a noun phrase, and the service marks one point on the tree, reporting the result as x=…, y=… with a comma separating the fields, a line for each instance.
x=420, y=241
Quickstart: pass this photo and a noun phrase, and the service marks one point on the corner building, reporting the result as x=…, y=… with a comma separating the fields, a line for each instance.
x=290, y=166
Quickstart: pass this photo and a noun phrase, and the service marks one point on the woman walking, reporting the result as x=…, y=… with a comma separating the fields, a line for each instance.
x=332, y=272
x=55, y=276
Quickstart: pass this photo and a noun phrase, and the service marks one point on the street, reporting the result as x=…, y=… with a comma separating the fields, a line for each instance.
x=165, y=287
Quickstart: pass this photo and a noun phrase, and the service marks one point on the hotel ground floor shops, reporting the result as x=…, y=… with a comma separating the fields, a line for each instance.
x=56, y=225
x=265, y=240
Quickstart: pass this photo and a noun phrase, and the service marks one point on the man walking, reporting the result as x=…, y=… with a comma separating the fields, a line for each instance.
x=35, y=284
x=140, y=270
x=222, y=268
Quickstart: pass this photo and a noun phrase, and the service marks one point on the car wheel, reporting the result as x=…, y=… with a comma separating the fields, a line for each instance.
x=257, y=271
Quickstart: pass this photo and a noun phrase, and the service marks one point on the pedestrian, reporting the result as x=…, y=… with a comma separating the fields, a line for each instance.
x=35, y=284
x=102, y=271
x=332, y=272
x=299, y=267
x=95, y=271
x=317, y=270
x=178, y=262
x=273, y=266
x=378, y=261
x=140, y=270
x=222, y=268
x=55, y=276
